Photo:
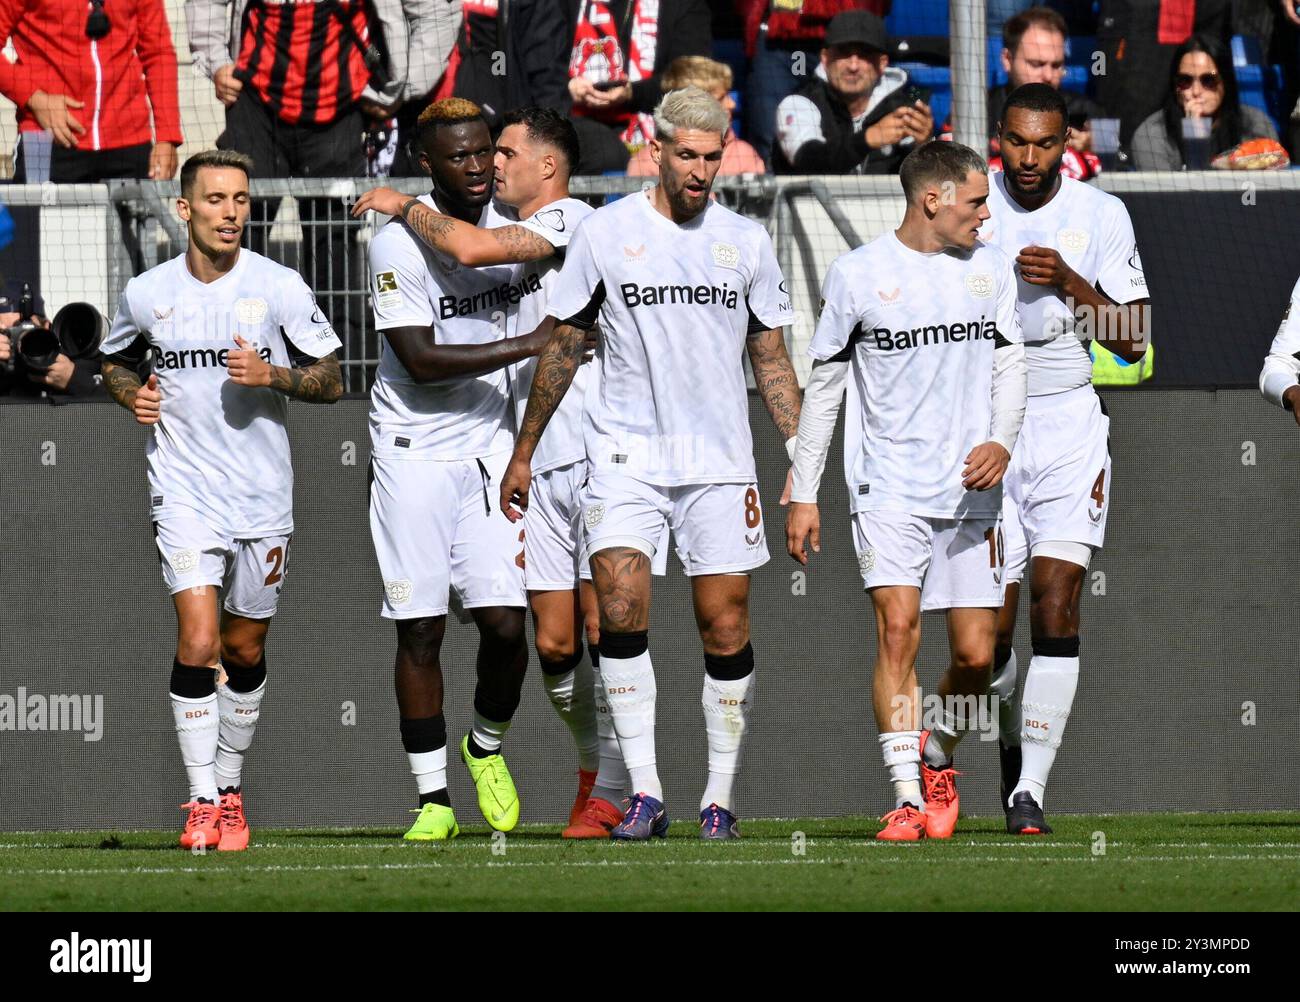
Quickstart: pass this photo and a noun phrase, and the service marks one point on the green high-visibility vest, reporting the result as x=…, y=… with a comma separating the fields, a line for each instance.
x=1108, y=369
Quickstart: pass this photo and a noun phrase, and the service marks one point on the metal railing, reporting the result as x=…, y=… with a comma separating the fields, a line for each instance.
x=94, y=237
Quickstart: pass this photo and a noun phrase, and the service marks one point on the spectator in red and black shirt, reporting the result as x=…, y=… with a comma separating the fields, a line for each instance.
x=92, y=76
x=299, y=81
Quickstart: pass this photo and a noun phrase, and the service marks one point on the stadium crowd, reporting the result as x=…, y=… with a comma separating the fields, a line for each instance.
x=333, y=88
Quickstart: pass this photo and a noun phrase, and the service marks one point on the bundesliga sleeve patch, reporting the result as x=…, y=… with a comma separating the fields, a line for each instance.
x=387, y=294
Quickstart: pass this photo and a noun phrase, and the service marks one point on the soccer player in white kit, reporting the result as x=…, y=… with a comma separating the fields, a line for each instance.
x=683, y=289
x=440, y=430
x=535, y=153
x=926, y=317
x=1278, y=380
x=233, y=337
x=1080, y=278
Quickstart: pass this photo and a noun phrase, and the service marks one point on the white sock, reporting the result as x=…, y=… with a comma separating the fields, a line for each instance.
x=488, y=734
x=944, y=735
x=611, y=775
x=1003, y=686
x=726, y=705
x=902, y=754
x=571, y=695
x=429, y=769
x=630, y=691
x=198, y=724
x=1050, y=685
x=239, y=715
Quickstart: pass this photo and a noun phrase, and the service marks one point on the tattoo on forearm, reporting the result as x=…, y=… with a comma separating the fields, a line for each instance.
x=431, y=227
x=620, y=575
x=556, y=367
x=121, y=383
x=319, y=383
x=522, y=244
x=777, y=384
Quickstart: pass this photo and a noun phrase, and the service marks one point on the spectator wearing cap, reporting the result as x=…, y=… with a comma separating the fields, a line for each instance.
x=21, y=304
x=783, y=42
x=857, y=115
x=714, y=78
x=97, y=79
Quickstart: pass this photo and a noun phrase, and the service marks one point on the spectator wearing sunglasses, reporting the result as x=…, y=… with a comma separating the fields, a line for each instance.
x=95, y=86
x=1202, y=85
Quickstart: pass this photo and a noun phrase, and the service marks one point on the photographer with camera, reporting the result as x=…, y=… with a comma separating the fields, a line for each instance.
x=43, y=359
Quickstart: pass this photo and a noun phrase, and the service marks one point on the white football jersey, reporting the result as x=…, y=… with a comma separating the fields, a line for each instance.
x=220, y=450
x=561, y=443
x=412, y=285
x=675, y=305
x=919, y=331
x=1094, y=235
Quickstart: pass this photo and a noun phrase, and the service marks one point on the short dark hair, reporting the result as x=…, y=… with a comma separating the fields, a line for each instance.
x=226, y=159
x=1032, y=17
x=546, y=125
x=937, y=161
x=449, y=111
x=1037, y=97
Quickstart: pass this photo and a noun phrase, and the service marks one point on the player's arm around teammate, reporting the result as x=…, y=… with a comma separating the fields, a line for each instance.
x=1278, y=380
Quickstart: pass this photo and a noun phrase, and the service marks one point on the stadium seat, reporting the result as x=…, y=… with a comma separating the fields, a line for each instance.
x=1258, y=83
x=918, y=17
x=937, y=80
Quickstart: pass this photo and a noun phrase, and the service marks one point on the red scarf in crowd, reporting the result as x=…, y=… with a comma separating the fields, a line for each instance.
x=598, y=55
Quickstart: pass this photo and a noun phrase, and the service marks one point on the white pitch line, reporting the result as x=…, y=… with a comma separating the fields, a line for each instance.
x=584, y=864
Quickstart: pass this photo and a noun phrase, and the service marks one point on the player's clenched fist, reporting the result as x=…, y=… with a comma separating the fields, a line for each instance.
x=985, y=466
x=147, y=405
x=247, y=367
x=1043, y=266
x=802, y=522
x=514, y=488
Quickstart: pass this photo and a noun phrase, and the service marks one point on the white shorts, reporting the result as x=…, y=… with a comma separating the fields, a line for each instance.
x=553, y=535
x=437, y=526
x=251, y=571
x=717, y=528
x=1014, y=535
x=1059, y=477
x=957, y=563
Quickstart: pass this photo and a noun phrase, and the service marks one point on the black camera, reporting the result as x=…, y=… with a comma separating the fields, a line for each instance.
x=77, y=331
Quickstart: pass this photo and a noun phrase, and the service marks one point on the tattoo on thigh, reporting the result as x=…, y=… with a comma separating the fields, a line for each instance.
x=618, y=575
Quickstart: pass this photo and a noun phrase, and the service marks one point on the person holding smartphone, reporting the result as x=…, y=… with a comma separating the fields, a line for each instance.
x=857, y=114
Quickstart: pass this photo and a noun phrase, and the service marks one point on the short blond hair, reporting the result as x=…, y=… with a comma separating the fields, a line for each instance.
x=690, y=108
x=700, y=71
x=449, y=111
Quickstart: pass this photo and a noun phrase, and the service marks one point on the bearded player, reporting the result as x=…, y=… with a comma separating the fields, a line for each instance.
x=1080, y=278
x=925, y=316
x=234, y=337
x=684, y=289
x=535, y=154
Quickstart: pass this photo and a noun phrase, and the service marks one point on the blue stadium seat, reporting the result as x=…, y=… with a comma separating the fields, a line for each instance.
x=937, y=80
x=918, y=17
x=1258, y=84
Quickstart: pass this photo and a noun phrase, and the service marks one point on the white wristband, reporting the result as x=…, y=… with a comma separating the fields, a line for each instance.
x=791, y=445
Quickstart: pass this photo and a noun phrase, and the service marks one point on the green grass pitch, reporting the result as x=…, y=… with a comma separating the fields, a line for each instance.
x=1146, y=862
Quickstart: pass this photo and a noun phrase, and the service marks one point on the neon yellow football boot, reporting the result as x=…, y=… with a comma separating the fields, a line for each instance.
x=497, y=798
x=435, y=824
